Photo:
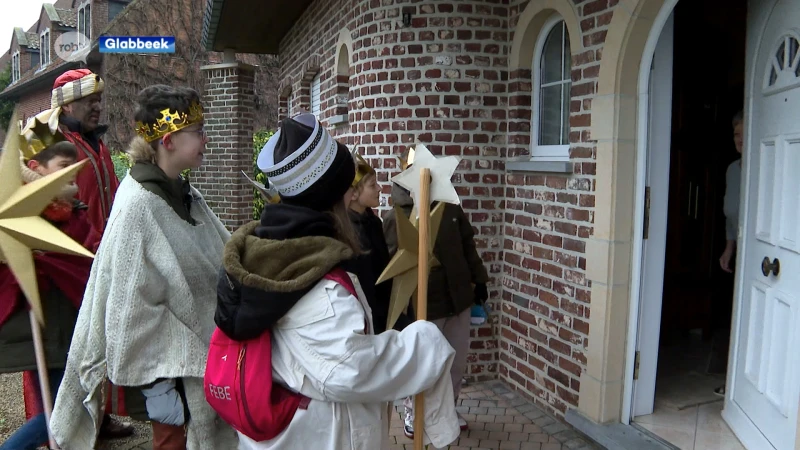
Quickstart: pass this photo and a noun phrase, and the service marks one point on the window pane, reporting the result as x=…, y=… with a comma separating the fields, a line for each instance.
x=567, y=55
x=551, y=56
x=550, y=115
x=87, y=25
x=565, y=114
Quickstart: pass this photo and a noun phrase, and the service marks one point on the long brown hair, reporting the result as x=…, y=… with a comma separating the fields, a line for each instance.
x=345, y=231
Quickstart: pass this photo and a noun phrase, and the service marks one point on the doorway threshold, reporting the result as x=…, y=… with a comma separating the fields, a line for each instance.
x=617, y=436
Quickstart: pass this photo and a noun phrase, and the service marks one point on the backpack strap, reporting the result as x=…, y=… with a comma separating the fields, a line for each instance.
x=339, y=276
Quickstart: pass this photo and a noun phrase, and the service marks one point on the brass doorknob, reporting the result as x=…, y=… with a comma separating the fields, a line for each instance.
x=767, y=266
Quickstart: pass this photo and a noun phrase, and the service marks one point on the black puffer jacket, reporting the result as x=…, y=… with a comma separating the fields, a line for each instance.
x=449, y=285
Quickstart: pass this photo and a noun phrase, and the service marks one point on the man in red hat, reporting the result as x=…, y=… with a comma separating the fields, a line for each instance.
x=75, y=108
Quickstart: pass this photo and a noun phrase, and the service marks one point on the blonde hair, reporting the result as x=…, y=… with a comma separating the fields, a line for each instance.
x=363, y=181
x=140, y=150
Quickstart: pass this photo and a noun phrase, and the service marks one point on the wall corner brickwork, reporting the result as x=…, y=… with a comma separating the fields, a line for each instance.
x=229, y=107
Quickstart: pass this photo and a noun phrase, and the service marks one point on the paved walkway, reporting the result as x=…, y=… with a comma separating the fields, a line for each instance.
x=498, y=419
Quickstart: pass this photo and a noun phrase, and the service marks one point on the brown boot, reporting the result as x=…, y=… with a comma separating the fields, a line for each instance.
x=168, y=437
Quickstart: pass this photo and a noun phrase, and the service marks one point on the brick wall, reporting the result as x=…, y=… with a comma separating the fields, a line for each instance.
x=546, y=297
x=34, y=103
x=445, y=81
x=229, y=101
x=441, y=80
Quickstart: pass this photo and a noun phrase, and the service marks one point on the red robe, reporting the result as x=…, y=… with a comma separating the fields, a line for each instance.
x=68, y=273
x=97, y=182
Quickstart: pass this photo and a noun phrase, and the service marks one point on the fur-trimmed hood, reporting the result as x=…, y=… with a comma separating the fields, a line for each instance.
x=261, y=279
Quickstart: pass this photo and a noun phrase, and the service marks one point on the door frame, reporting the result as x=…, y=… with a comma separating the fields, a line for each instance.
x=637, y=282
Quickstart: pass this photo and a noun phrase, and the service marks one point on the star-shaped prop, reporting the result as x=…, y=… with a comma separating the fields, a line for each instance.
x=442, y=170
x=403, y=266
x=22, y=230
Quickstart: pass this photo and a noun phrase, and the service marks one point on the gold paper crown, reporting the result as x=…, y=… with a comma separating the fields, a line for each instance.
x=38, y=137
x=170, y=122
x=407, y=160
x=362, y=168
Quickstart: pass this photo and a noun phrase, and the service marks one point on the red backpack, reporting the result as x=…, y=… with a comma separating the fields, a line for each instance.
x=239, y=386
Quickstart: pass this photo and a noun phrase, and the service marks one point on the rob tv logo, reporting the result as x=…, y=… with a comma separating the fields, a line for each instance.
x=137, y=44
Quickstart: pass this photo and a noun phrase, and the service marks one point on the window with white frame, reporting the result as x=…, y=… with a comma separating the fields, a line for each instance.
x=85, y=20
x=15, y=70
x=552, y=81
x=315, y=96
x=44, y=48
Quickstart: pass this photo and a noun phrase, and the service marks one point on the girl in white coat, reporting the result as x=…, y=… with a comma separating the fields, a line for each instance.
x=322, y=336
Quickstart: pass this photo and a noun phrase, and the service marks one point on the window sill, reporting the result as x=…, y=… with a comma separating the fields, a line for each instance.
x=539, y=165
x=338, y=120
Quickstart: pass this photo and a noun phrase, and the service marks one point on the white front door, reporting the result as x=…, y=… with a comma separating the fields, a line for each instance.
x=763, y=399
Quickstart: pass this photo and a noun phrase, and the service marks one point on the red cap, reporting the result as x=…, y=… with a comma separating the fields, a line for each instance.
x=70, y=76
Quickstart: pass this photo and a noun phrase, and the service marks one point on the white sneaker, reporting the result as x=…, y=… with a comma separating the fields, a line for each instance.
x=408, y=424
x=462, y=423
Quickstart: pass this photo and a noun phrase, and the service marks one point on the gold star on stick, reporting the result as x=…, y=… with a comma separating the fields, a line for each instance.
x=21, y=228
x=403, y=266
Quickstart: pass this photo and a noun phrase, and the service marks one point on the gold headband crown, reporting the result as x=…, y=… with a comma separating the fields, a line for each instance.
x=170, y=122
x=362, y=168
x=407, y=160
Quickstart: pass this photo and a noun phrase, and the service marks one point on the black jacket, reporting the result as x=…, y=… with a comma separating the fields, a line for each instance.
x=450, y=290
x=369, y=266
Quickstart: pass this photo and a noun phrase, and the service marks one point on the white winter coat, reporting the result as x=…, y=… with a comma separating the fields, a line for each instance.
x=321, y=350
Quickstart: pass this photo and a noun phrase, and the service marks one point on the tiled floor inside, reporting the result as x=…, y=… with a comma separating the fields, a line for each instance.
x=696, y=428
x=687, y=412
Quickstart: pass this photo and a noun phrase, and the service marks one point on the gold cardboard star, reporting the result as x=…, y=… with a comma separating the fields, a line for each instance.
x=22, y=230
x=442, y=170
x=403, y=266
x=39, y=137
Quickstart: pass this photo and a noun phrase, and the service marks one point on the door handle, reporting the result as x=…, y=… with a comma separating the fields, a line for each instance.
x=767, y=266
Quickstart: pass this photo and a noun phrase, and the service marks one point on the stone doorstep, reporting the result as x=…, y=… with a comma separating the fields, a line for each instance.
x=617, y=436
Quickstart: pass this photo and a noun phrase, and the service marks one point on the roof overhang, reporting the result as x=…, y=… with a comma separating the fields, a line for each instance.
x=249, y=26
x=38, y=82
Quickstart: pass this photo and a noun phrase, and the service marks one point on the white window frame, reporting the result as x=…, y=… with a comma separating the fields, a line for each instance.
x=86, y=29
x=44, y=48
x=316, y=100
x=545, y=152
x=16, y=71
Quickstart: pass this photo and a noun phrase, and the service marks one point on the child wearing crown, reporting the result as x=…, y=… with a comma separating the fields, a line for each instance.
x=61, y=279
x=148, y=312
x=369, y=266
x=453, y=287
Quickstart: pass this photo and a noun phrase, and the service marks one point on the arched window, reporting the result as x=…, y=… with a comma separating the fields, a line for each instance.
x=316, y=97
x=551, y=92
x=342, y=99
x=783, y=71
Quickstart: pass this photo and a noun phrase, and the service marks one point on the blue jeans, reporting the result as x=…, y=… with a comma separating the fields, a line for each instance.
x=33, y=433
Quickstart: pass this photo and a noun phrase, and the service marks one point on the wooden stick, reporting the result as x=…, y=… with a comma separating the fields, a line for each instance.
x=424, y=208
x=44, y=380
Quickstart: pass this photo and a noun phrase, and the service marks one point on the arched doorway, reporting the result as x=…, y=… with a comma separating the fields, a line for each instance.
x=620, y=126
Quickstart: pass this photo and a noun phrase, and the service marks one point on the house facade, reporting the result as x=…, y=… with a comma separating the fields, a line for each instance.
x=592, y=134
x=34, y=62
x=35, y=66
